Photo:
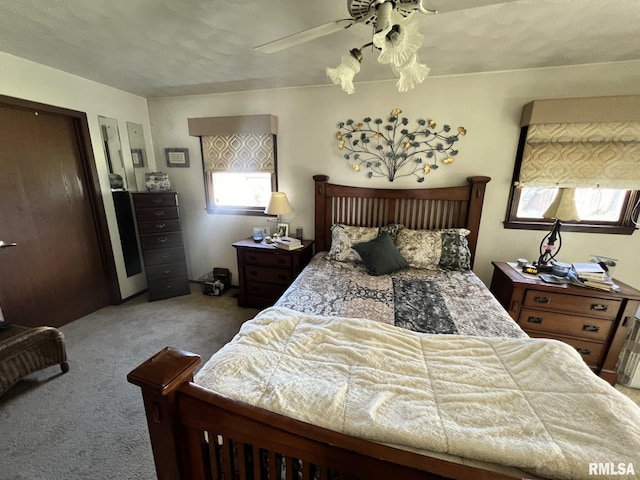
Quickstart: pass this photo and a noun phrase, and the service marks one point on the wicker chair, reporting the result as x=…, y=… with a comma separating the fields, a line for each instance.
x=26, y=350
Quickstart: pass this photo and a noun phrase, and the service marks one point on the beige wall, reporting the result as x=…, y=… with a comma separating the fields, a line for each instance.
x=488, y=105
x=27, y=80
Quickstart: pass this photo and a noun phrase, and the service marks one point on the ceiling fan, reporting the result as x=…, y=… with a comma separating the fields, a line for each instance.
x=361, y=11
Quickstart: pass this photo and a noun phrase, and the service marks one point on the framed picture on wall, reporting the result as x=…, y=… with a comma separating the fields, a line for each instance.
x=136, y=156
x=177, y=157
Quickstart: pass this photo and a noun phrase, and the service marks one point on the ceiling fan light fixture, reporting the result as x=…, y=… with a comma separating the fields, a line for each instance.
x=344, y=73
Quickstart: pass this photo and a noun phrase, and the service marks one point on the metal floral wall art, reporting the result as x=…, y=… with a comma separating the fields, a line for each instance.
x=390, y=149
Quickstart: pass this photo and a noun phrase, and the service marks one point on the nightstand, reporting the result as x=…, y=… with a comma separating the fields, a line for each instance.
x=594, y=322
x=266, y=271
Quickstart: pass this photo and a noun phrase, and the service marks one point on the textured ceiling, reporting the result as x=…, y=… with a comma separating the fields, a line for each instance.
x=178, y=47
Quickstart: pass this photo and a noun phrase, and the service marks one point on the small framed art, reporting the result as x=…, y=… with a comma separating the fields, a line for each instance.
x=283, y=229
x=136, y=156
x=177, y=157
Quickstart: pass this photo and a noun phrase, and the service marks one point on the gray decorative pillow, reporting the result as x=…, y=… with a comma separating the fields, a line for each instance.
x=343, y=237
x=380, y=255
x=424, y=248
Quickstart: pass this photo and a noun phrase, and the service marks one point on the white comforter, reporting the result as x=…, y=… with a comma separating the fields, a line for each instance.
x=527, y=403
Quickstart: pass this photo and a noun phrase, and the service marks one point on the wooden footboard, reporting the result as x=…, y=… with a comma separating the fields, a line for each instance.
x=197, y=434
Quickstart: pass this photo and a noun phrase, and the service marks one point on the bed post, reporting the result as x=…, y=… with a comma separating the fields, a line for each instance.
x=160, y=378
x=323, y=242
x=478, y=186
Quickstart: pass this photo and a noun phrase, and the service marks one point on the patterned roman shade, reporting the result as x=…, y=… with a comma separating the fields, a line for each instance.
x=582, y=143
x=237, y=144
x=582, y=155
x=244, y=152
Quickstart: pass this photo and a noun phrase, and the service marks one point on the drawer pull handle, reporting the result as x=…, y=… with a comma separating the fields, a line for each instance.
x=162, y=239
x=599, y=307
x=156, y=200
x=542, y=300
x=158, y=213
x=583, y=351
x=165, y=255
x=160, y=226
x=590, y=328
x=534, y=320
x=167, y=271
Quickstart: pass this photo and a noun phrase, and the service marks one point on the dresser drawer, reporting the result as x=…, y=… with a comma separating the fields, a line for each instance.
x=155, y=214
x=591, y=306
x=159, y=226
x=161, y=240
x=591, y=351
x=265, y=290
x=162, y=256
x=267, y=259
x=147, y=200
x=168, y=287
x=572, y=325
x=254, y=273
x=169, y=270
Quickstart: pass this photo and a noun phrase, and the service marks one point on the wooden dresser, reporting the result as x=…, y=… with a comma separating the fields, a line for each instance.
x=594, y=322
x=266, y=271
x=158, y=220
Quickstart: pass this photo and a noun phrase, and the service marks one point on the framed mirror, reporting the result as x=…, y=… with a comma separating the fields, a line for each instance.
x=138, y=151
x=113, y=153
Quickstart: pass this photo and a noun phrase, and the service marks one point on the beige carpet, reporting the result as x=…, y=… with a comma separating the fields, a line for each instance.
x=89, y=423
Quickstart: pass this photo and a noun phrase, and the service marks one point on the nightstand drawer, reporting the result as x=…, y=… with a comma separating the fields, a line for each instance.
x=267, y=275
x=591, y=351
x=572, y=325
x=267, y=259
x=265, y=290
x=591, y=306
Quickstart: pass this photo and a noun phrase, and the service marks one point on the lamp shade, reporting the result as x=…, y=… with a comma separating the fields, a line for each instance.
x=278, y=204
x=563, y=206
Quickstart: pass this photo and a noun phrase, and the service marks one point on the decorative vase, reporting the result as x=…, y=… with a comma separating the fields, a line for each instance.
x=116, y=181
x=157, y=181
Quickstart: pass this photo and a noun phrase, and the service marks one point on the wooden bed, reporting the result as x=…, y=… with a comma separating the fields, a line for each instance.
x=199, y=434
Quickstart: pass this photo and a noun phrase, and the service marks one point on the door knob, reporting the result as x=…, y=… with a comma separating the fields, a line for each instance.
x=5, y=245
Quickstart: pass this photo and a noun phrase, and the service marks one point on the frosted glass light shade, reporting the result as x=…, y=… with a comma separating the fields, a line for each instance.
x=343, y=74
x=401, y=41
x=278, y=204
x=411, y=74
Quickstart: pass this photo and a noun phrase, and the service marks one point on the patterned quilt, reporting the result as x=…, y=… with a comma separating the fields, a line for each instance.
x=427, y=301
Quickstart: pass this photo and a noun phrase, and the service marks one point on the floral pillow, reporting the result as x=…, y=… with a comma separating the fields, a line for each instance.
x=445, y=249
x=343, y=237
x=392, y=229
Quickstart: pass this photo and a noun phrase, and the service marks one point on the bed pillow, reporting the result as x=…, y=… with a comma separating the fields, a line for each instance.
x=343, y=237
x=392, y=229
x=380, y=255
x=445, y=249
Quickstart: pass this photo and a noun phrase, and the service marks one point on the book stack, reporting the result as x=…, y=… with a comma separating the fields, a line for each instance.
x=287, y=243
x=592, y=275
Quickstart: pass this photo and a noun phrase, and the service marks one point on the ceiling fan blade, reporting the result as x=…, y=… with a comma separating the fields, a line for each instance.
x=305, y=36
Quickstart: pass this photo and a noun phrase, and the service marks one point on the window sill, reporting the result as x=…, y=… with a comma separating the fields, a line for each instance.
x=252, y=211
x=571, y=227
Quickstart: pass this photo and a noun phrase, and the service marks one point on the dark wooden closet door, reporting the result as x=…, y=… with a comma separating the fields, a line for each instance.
x=55, y=273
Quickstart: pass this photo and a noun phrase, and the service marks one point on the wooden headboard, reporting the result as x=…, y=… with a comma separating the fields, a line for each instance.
x=415, y=208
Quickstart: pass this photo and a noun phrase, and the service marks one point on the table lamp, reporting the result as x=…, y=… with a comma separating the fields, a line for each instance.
x=278, y=205
x=563, y=207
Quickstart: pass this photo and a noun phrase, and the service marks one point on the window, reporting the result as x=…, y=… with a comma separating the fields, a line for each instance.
x=243, y=193
x=599, y=210
x=239, y=162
